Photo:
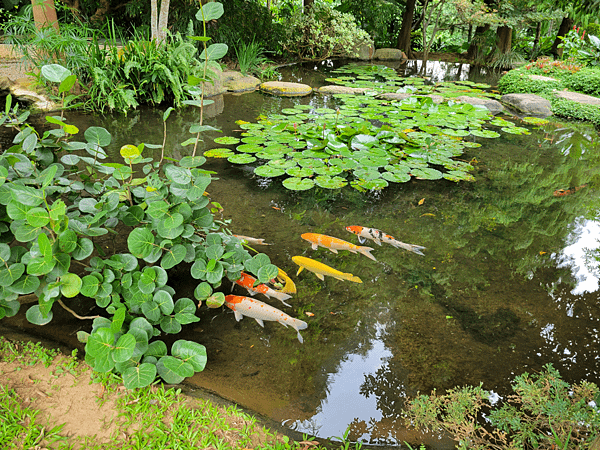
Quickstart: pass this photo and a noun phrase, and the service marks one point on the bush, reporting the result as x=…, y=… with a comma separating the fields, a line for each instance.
x=380, y=18
x=248, y=22
x=544, y=412
x=518, y=81
x=322, y=33
x=586, y=81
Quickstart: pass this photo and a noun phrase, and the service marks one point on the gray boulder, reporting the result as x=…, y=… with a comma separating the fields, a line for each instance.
x=494, y=106
x=390, y=54
x=528, y=104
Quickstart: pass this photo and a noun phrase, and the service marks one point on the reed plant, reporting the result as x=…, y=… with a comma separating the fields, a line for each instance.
x=250, y=57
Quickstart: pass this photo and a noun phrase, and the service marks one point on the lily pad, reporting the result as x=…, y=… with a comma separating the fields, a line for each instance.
x=328, y=182
x=282, y=163
x=298, y=184
x=218, y=153
x=396, y=177
x=427, y=173
x=227, y=140
x=485, y=133
x=268, y=171
x=241, y=159
x=299, y=171
x=249, y=148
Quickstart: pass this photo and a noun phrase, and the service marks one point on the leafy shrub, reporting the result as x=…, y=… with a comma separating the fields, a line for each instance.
x=586, y=81
x=380, y=18
x=322, y=33
x=248, y=22
x=519, y=81
x=544, y=412
x=576, y=111
x=142, y=71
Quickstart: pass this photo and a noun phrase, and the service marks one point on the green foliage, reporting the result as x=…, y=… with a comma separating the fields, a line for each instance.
x=543, y=412
x=53, y=211
x=322, y=33
x=582, y=50
x=575, y=110
x=586, y=81
x=517, y=81
x=376, y=17
x=242, y=23
x=20, y=427
x=250, y=57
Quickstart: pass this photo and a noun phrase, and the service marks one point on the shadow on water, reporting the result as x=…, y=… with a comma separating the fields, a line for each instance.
x=508, y=282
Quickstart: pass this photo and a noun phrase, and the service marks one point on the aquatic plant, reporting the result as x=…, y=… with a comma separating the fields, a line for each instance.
x=60, y=203
x=544, y=412
x=367, y=141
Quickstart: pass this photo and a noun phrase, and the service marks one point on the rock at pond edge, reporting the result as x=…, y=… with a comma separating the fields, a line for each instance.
x=285, y=89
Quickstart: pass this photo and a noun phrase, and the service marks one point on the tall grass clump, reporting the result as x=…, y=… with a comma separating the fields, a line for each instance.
x=250, y=57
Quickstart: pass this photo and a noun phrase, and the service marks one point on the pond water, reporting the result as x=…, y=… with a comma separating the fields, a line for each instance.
x=508, y=282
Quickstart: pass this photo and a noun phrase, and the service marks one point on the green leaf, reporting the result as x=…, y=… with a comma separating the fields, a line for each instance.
x=216, y=300
x=174, y=370
x=25, y=285
x=298, y=184
x=71, y=285
x=170, y=325
x=139, y=376
x=202, y=291
x=177, y=174
x=84, y=248
x=214, y=52
x=10, y=274
x=98, y=135
x=191, y=352
x=27, y=195
x=152, y=311
x=35, y=316
x=267, y=273
x=123, y=349
x=156, y=348
x=140, y=242
x=164, y=301
x=210, y=11
x=173, y=256
x=66, y=85
x=100, y=343
x=55, y=73
x=39, y=266
x=89, y=286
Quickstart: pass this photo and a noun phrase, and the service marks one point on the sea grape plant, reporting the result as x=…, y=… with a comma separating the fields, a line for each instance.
x=62, y=209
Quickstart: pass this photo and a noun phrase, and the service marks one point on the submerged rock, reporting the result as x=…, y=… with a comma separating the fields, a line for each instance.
x=237, y=82
x=494, y=106
x=334, y=89
x=528, y=103
x=286, y=89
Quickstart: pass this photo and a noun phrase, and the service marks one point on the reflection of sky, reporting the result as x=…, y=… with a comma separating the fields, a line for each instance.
x=344, y=403
x=578, y=256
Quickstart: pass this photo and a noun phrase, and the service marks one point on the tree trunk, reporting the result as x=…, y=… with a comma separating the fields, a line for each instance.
x=307, y=5
x=536, y=41
x=565, y=26
x=44, y=14
x=504, y=44
x=475, y=48
x=406, y=28
x=153, y=20
x=163, y=19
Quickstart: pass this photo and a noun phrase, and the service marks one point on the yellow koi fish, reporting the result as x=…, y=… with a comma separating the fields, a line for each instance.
x=289, y=287
x=335, y=244
x=320, y=269
x=379, y=236
x=259, y=311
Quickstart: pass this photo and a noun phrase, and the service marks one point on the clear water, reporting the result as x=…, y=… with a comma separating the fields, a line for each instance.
x=508, y=282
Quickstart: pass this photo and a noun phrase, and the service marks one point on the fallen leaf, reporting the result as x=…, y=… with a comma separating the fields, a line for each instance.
x=309, y=314
x=275, y=207
x=428, y=214
x=421, y=201
x=542, y=253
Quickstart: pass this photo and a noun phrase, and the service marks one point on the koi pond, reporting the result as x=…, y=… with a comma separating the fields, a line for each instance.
x=508, y=281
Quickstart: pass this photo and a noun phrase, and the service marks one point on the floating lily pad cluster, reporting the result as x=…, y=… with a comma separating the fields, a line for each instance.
x=366, y=142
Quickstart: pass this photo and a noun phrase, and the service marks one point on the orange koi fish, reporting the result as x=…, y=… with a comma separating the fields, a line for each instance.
x=379, y=236
x=259, y=311
x=320, y=269
x=563, y=192
x=335, y=244
x=248, y=282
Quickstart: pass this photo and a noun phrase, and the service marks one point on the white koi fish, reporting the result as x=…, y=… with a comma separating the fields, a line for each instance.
x=250, y=240
x=259, y=311
x=379, y=236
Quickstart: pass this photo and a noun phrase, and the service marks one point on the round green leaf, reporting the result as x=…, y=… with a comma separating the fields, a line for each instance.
x=71, y=285
x=298, y=184
x=139, y=376
x=241, y=159
x=100, y=342
x=191, y=352
x=35, y=316
x=123, y=349
x=98, y=135
x=140, y=242
x=328, y=182
x=55, y=73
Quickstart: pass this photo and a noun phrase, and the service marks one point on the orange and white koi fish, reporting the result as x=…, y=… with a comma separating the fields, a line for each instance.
x=320, y=269
x=379, y=236
x=259, y=311
x=289, y=287
x=248, y=282
x=335, y=244
x=250, y=240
